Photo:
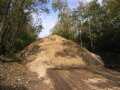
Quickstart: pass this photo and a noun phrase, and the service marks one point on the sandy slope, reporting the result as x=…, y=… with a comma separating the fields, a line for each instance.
x=49, y=56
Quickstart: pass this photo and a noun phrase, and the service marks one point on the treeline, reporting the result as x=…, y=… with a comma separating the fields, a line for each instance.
x=16, y=30
x=94, y=25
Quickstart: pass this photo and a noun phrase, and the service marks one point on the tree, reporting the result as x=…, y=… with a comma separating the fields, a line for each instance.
x=5, y=14
x=93, y=25
x=16, y=30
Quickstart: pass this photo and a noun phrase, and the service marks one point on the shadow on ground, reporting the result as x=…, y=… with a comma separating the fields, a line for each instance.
x=13, y=88
x=11, y=61
x=111, y=60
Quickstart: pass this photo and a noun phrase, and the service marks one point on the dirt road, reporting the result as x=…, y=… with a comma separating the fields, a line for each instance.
x=84, y=79
x=14, y=76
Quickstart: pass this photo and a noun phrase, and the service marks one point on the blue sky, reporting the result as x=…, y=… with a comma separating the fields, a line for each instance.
x=49, y=20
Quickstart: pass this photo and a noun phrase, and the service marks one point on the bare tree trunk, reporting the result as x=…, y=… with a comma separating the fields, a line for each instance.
x=91, y=41
x=81, y=39
x=4, y=20
x=19, y=18
x=1, y=28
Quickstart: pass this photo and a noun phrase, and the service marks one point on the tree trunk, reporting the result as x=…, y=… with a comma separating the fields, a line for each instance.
x=1, y=28
x=81, y=39
x=91, y=41
x=4, y=20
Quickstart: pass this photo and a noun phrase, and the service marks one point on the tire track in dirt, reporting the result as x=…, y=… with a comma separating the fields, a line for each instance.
x=80, y=79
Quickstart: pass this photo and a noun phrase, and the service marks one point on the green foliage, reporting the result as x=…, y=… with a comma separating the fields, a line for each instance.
x=16, y=32
x=63, y=27
x=95, y=26
x=59, y=5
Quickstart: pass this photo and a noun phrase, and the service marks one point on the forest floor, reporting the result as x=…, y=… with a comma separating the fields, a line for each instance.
x=15, y=76
x=55, y=63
